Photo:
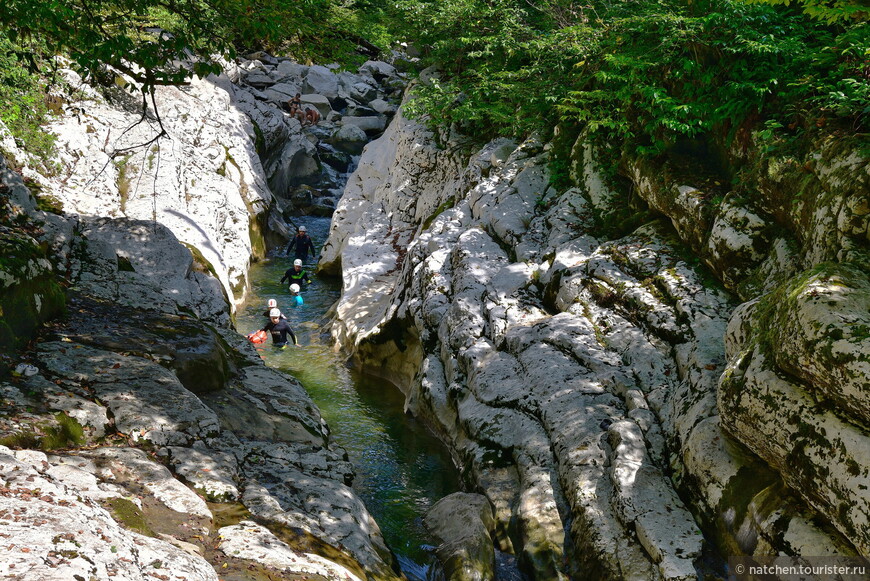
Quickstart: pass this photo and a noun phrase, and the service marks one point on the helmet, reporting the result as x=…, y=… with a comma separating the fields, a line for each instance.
x=303, y=229
x=273, y=303
x=297, y=262
x=294, y=288
x=274, y=313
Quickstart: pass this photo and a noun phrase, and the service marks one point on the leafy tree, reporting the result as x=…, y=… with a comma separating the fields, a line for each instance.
x=23, y=108
x=166, y=42
x=645, y=72
x=830, y=11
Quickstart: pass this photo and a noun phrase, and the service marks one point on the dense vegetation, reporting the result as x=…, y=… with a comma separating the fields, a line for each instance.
x=128, y=35
x=645, y=72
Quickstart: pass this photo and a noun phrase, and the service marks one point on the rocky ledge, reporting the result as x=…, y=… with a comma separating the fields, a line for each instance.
x=624, y=414
x=141, y=437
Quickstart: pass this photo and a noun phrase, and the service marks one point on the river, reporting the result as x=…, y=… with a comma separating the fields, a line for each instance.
x=402, y=469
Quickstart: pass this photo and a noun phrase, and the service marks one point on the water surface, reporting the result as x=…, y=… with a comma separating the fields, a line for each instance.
x=402, y=469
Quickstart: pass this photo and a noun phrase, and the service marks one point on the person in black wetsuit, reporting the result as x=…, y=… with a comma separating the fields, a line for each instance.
x=302, y=243
x=296, y=275
x=279, y=328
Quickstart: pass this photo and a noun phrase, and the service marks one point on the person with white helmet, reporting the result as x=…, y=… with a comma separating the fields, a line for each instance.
x=295, y=298
x=279, y=328
x=302, y=244
x=295, y=274
x=273, y=304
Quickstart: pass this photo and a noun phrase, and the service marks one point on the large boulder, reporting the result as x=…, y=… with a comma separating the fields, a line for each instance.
x=462, y=523
x=321, y=81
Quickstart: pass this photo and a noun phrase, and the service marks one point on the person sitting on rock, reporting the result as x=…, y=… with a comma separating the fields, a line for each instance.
x=273, y=304
x=279, y=328
x=312, y=116
x=303, y=243
x=296, y=275
x=295, y=297
x=294, y=106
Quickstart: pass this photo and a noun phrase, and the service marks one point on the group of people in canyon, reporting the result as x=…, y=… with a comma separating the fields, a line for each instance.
x=296, y=276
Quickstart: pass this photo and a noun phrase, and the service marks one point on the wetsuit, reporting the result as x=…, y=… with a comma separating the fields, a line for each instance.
x=295, y=277
x=303, y=244
x=297, y=301
x=279, y=331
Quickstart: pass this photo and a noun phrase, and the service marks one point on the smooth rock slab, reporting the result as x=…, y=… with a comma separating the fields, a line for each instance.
x=463, y=524
x=248, y=540
x=147, y=400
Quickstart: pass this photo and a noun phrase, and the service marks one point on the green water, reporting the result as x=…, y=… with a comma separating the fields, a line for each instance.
x=402, y=469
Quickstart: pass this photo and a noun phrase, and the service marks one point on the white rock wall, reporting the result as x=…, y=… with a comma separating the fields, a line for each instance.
x=572, y=375
x=202, y=180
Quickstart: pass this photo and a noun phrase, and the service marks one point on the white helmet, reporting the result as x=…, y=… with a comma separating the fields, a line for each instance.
x=297, y=262
x=303, y=229
x=273, y=303
x=274, y=313
x=294, y=288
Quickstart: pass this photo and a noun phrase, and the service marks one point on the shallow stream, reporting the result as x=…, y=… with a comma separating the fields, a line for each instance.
x=401, y=468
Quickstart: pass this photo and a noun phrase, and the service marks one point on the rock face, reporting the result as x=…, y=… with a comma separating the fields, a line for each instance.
x=213, y=161
x=309, y=159
x=203, y=180
x=140, y=405
x=609, y=397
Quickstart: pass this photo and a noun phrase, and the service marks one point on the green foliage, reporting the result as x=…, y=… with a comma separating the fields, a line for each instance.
x=149, y=40
x=23, y=106
x=830, y=11
x=646, y=72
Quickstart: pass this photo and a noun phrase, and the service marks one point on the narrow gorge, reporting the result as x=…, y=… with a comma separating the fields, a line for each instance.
x=640, y=367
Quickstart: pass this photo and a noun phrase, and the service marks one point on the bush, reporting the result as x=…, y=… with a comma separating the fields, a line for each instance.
x=646, y=72
x=23, y=106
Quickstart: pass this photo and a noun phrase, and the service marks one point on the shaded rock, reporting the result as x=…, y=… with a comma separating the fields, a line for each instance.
x=320, y=102
x=248, y=537
x=349, y=139
x=147, y=401
x=383, y=107
x=258, y=80
x=282, y=92
x=378, y=69
x=291, y=70
x=213, y=473
x=463, y=523
x=368, y=124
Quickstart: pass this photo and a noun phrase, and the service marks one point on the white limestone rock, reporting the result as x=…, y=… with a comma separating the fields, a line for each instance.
x=181, y=182
x=823, y=458
x=58, y=534
x=253, y=542
x=371, y=125
x=321, y=81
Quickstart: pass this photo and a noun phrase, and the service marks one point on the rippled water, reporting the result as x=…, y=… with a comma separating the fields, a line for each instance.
x=402, y=469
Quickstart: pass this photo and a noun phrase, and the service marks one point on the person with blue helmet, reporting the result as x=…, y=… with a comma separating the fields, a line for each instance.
x=295, y=297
